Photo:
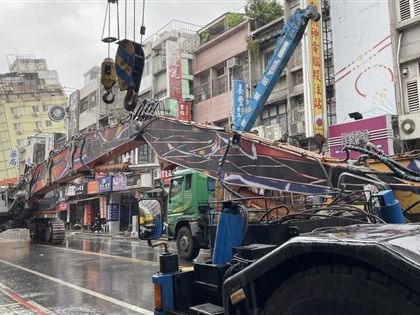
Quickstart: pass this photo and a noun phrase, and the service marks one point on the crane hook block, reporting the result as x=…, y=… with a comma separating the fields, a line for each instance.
x=129, y=63
x=108, y=79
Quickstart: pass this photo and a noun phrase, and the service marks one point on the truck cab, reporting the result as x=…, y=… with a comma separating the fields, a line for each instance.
x=188, y=211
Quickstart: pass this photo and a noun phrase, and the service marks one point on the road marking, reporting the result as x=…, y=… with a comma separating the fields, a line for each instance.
x=142, y=261
x=148, y=262
x=81, y=289
x=30, y=305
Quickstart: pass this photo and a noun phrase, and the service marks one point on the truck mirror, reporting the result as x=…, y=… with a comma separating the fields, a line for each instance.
x=150, y=219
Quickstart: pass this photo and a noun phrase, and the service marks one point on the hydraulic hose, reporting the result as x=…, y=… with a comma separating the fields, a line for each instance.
x=398, y=170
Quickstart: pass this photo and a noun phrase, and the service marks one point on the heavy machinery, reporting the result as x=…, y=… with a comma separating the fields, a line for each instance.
x=263, y=268
x=335, y=255
x=188, y=211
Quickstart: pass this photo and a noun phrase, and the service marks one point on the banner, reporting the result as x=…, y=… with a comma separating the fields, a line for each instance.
x=364, y=75
x=174, y=69
x=103, y=207
x=239, y=102
x=316, y=62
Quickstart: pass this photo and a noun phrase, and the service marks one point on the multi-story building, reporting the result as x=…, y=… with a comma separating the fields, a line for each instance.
x=168, y=75
x=26, y=94
x=405, y=39
x=284, y=110
x=221, y=57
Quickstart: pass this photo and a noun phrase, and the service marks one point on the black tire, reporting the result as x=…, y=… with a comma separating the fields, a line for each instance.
x=344, y=290
x=185, y=244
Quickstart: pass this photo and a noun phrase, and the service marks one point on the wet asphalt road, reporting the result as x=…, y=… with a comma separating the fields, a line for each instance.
x=85, y=275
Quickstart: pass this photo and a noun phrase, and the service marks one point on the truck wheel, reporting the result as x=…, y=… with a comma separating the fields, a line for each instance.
x=344, y=290
x=185, y=244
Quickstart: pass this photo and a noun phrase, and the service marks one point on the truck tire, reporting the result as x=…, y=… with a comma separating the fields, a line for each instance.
x=344, y=290
x=185, y=244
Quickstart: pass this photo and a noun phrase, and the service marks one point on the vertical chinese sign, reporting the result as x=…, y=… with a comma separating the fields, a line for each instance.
x=13, y=158
x=174, y=74
x=184, y=110
x=239, y=102
x=316, y=59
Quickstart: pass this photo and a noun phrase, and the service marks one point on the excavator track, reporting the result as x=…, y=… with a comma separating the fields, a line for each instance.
x=47, y=230
x=56, y=231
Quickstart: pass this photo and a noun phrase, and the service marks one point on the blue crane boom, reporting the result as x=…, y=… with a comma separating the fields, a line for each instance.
x=290, y=36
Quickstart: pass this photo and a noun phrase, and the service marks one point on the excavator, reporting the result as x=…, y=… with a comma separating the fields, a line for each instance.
x=347, y=251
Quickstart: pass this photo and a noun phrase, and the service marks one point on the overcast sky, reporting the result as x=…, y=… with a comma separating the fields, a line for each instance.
x=67, y=32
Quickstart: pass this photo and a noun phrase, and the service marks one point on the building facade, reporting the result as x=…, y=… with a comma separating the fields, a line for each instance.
x=26, y=94
x=405, y=39
x=221, y=57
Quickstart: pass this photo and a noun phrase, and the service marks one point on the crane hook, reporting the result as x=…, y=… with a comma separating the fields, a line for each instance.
x=106, y=98
x=130, y=100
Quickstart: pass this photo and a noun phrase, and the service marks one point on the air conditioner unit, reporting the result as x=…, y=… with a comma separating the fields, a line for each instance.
x=36, y=114
x=39, y=129
x=16, y=115
x=273, y=132
x=409, y=126
x=232, y=62
x=18, y=130
x=259, y=131
x=297, y=128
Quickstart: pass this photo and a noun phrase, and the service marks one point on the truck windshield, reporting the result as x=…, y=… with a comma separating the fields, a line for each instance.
x=176, y=185
x=211, y=182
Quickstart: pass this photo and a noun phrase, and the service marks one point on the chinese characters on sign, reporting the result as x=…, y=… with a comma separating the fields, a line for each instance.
x=239, y=102
x=105, y=184
x=184, y=110
x=113, y=212
x=355, y=137
x=13, y=158
x=317, y=75
x=173, y=61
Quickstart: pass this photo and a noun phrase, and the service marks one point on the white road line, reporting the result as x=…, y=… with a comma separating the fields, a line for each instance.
x=133, y=260
x=81, y=289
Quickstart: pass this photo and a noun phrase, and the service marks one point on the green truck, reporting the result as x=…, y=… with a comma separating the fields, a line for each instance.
x=189, y=212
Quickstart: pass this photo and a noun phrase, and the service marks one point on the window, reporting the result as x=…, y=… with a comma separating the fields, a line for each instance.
x=274, y=114
x=176, y=186
x=84, y=105
x=188, y=180
x=48, y=123
x=267, y=57
x=38, y=125
x=15, y=111
x=220, y=72
x=34, y=109
x=20, y=142
x=18, y=127
x=143, y=154
x=45, y=108
x=92, y=98
x=298, y=77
